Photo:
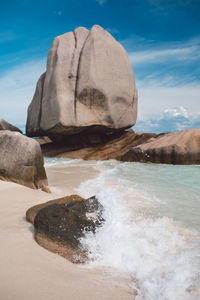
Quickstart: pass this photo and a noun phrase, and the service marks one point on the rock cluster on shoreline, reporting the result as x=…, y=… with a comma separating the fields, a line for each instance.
x=181, y=147
x=84, y=107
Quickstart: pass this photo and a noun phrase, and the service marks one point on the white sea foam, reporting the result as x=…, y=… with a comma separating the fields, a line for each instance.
x=54, y=161
x=158, y=252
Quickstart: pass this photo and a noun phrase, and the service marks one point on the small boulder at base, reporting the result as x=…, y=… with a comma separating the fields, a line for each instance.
x=60, y=224
x=181, y=147
x=4, y=125
x=88, y=86
x=21, y=160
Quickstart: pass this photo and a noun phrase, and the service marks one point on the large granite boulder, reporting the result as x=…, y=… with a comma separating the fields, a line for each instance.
x=181, y=147
x=60, y=224
x=21, y=160
x=4, y=125
x=88, y=86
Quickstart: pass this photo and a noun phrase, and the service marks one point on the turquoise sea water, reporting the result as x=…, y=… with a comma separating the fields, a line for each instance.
x=175, y=189
x=152, y=226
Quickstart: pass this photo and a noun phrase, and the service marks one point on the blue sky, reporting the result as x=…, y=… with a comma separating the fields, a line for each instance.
x=162, y=38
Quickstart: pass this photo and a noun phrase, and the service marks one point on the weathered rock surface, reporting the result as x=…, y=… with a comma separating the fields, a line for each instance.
x=59, y=224
x=21, y=160
x=88, y=85
x=114, y=147
x=4, y=125
x=181, y=147
x=32, y=212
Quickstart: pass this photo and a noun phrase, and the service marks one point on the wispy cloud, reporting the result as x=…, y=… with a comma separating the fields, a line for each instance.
x=166, y=6
x=155, y=56
x=101, y=2
x=158, y=65
x=155, y=53
x=161, y=78
x=57, y=13
x=112, y=30
x=16, y=90
x=23, y=75
x=8, y=36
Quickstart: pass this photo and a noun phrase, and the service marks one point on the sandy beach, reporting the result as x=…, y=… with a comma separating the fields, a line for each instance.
x=30, y=272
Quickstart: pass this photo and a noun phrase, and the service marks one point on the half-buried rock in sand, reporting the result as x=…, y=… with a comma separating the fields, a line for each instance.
x=60, y=224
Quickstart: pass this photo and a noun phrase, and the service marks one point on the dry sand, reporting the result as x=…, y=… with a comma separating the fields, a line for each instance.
x=28, y=271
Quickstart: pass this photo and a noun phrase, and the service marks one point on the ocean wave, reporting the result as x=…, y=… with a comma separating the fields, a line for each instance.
x=160, y=254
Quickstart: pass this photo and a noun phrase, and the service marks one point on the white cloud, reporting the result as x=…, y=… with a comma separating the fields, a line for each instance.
x=153, y=100
x=172, y=119
x=175, y=112
x=174, y=84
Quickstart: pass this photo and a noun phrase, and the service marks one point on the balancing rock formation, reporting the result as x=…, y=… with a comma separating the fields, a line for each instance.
x=88, y=87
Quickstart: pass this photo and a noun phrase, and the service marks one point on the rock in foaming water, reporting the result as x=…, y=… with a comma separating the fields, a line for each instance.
x=60, y=224
x=88, y=86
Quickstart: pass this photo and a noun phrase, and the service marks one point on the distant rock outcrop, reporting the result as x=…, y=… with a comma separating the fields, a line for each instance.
x=88, y=87
x=61, y=223
x=181, y=147
x=4, y=125
x=21, y=160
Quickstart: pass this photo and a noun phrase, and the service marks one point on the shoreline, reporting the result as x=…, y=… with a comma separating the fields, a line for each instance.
x=29, y=271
